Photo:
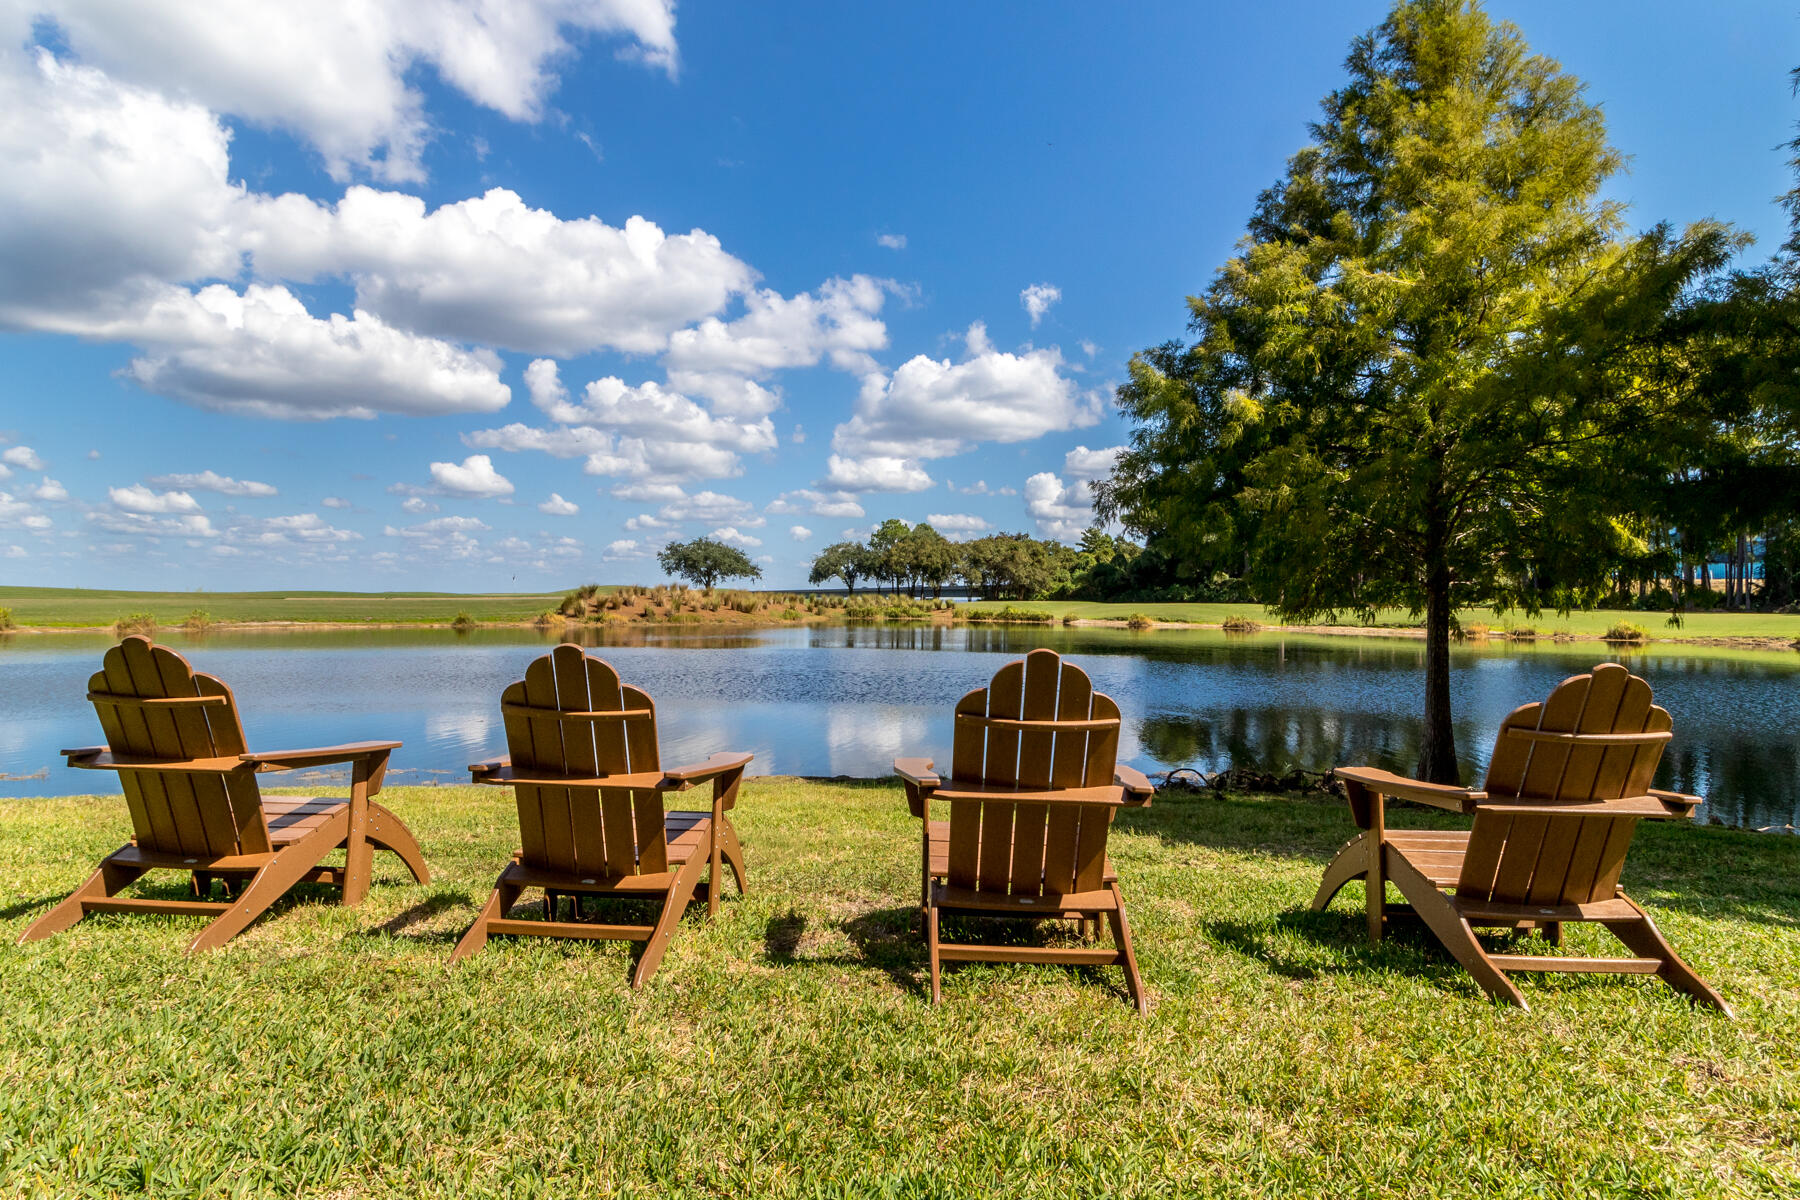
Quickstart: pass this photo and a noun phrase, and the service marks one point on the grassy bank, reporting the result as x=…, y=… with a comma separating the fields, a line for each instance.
x=1587, y=624
x=75, y=608
x=788, y=1050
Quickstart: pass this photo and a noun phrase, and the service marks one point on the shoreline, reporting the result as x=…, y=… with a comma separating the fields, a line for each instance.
x=1749, y=642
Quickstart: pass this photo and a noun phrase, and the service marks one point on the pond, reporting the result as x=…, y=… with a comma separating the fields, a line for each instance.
x=844, y=700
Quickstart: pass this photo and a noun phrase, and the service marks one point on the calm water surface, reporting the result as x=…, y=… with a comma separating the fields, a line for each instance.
x=845, y=701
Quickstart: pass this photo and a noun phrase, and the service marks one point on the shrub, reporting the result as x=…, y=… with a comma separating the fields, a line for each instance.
x=6, y=620
x=462, y=621
x=578, y=602
x=137, y=622
x=546, y=619
x=791, y=614
x=1524, y=633
x=197, y=621
x=1141, y=621
x=1070, y=618
x=1241, y=625
x=1476, y=632
x=1009, y=616
x=1624, y=631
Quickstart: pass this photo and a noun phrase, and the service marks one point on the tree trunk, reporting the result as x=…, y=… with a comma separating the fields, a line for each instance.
x=1437, y=753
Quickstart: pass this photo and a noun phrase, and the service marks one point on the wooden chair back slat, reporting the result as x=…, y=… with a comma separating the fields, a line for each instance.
x=545, y=751
x=587, y=831
x=997, y=845
x=591, y=831
x=201, y=813
x=1069, y=763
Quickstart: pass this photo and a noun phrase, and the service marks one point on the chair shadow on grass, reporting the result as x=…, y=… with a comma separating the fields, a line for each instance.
x=884, y=938
x=888, y=939
x=400, y=923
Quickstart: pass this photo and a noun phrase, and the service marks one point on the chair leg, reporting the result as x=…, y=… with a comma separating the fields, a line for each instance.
x=674, y=905
x=270, y=883
x=108, y=879
x=1643, y=938
x=1441, y=917
x=1352, y=862
x=498, y=905
x=388, y=833
x=732, y=850
x=931, y=948
x=1121, y=931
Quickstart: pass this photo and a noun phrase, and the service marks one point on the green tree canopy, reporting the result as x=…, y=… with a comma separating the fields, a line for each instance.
x=1434, y=358
x=848, y=561
x=703, y=562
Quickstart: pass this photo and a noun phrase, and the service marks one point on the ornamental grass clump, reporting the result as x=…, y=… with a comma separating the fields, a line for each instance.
x=1625, y=631
x=1241, y=625
x=138, y=622
x=1141, y=621
x=197, y=621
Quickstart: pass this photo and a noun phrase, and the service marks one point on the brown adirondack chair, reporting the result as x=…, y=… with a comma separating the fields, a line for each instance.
x=174, y=737
x=1567, y=784
x=584, y=768
x=1033, y=789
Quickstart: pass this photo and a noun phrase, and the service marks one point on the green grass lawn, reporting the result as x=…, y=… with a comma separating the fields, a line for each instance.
x=1694, y=625
x=788, y=1049
x=81, y=608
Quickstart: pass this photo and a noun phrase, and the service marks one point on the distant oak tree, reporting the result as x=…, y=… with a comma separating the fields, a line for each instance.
x=1435, y=366
x=703, y=562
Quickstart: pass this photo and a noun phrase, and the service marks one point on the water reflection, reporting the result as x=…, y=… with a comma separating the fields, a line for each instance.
x=826, y=700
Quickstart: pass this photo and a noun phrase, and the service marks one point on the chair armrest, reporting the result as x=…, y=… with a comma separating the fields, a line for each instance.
x=484, y=772
x=1137, y=785
x=918, y=772
x=680, y=779
x=318, y=756
x=1623, y=806
x=1437, y=795
x=100, y=758
x=1679, y=804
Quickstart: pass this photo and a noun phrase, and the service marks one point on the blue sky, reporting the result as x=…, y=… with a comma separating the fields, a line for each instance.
x=486, y=296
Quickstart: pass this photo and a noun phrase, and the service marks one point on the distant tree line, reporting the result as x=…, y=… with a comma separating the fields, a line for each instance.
x=918, y=560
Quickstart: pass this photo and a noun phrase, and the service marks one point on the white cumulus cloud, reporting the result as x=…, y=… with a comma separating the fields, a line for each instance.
x=1082, y=463
x=335, y=72
x=875, y=473
x=137, y=498
x=730, y=535
x=1062, y=511
x=556, y=506
x=799, y=533
x=933, y=409
x=23, y=457
x=474, y=477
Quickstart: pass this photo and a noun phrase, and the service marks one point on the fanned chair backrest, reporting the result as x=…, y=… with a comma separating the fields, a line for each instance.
x=1598, y=737
x=1038, y=726
x=154, y=706
x=1609, y=701
x=571, y=717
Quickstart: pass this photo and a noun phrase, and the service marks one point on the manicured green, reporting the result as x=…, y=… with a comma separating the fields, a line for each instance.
x=1593, y=623
x=82, y=608
x=788, y=1049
